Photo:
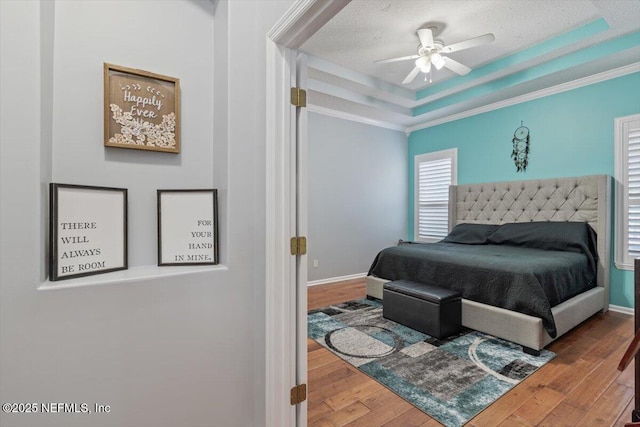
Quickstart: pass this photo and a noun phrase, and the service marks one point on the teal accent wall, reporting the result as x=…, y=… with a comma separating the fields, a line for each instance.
x=571, y=135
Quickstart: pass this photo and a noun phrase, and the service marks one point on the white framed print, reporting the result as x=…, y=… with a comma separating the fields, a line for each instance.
x=87, y=230
x=187, y=227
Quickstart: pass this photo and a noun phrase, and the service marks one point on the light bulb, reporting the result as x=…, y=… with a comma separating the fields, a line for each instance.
x=424, y=63
x=438, y=61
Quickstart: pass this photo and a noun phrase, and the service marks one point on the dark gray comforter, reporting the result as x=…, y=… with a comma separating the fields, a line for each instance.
x=524, y=279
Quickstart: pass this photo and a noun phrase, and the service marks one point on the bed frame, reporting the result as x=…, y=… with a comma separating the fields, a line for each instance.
x=584, y=199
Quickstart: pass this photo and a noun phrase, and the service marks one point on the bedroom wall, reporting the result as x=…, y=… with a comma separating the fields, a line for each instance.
x=571, y=135
x=162, y=348
x=357, y=194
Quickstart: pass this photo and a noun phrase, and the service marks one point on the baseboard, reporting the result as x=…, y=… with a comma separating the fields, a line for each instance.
x=336, y=279
x=621, y=309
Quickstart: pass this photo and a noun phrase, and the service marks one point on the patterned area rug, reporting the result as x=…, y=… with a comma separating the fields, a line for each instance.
x=452, y=380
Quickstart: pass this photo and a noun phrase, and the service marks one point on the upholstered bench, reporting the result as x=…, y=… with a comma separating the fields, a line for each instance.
x=425, y=308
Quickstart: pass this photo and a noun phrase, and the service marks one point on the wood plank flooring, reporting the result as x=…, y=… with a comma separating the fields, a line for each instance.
x=581, y=386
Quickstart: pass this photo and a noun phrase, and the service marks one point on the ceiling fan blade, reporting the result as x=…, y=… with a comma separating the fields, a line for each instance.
x=466, y=44
x=455, y=66
x=426, y=37
x=412, y=75
x=402, y=58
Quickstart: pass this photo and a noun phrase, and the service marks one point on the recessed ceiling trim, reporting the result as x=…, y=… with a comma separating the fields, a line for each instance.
x=348, y=95
x=372, y=82
x=580, y=57
x=350, y=107
x=337, y=80
x=354, y=118
x=564, y=87
x=523, y=56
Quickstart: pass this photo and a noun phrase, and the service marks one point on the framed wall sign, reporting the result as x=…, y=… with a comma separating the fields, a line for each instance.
x=87, y=230
x=141, y=110
x=187, y=227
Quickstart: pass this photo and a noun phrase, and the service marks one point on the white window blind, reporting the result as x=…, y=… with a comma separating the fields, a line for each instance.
x=434, y=173
x=627, y=141
x=633, y=190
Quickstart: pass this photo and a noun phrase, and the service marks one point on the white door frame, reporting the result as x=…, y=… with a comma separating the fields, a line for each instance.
x=283, y=311
x=302, y=228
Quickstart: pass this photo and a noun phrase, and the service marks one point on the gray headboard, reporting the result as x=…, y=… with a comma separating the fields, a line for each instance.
x=585, y=198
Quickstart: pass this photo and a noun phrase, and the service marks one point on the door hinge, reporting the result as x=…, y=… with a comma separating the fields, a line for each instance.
x=298, y=394
x=298, y=246
x=298, y=97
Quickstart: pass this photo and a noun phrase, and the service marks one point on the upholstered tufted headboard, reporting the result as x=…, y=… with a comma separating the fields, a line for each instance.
x=585, y=198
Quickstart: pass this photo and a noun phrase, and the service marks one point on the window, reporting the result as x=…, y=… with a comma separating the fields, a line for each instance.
x=434, y=173
x=627, y=170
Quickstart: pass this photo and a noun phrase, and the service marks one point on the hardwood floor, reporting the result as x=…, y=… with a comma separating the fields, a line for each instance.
x=581, y=386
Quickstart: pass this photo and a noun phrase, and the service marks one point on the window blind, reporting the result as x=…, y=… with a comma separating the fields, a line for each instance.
x=433, y=181
x=627, y=200
x=632, y=135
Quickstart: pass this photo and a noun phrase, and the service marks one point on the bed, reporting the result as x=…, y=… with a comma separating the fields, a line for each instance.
x=577, y=200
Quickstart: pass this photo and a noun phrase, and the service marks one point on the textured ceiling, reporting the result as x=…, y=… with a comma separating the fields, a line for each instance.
x=539, y=44
x=368, y=30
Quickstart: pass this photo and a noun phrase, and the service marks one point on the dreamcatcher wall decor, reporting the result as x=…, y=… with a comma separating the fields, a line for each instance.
x=520, y=153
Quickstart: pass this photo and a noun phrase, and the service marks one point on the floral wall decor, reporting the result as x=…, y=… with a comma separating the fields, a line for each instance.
x=141, y=110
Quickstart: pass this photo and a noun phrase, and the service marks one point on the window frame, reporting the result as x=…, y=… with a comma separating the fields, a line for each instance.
x=452, y=154
x=623, y=260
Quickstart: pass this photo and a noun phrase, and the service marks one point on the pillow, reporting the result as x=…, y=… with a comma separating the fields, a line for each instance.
x=470, y=234
x=548, y=235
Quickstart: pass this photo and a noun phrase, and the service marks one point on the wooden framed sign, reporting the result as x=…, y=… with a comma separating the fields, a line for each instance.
x=87, y=230
x=187, y=227
x=141, y=110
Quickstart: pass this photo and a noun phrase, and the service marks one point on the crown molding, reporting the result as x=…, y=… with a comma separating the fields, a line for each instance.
x=302, y=20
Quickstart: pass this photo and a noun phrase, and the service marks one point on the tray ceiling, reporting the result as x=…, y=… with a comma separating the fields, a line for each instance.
x=530, y=35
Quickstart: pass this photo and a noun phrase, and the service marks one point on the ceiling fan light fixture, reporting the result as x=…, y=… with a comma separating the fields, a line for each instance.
x=421, y=62
x=429, y=56
x=438, y=61
x=424, y=63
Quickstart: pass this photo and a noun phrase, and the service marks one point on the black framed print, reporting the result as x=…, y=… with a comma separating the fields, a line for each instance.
x=87, y=230
x=187, y=227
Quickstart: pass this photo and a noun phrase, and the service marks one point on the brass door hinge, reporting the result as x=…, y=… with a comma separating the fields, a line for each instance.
x=298, y=246
x=298, y=97
x=298, y=394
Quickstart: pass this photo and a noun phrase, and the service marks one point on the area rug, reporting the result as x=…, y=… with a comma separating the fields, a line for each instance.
x=452, y=380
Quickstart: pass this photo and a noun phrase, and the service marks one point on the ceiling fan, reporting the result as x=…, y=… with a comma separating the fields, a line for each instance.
x=430, y=53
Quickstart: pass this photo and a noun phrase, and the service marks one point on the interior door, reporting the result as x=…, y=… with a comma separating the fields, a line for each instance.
x=301, y=230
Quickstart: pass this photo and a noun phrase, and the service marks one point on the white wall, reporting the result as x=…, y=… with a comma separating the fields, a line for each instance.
x=173, y=38
x=357, y=194
x=160, y=349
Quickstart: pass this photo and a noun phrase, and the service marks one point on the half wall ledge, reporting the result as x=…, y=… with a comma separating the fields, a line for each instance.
x=130, y=276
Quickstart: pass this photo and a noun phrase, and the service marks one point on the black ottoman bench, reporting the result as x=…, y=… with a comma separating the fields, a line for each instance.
x=425, y=308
